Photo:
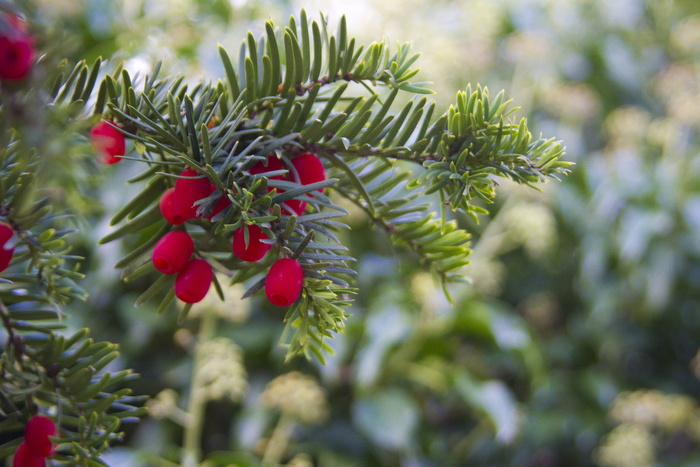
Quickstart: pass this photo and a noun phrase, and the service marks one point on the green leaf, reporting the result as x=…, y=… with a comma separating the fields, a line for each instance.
x=231, y=77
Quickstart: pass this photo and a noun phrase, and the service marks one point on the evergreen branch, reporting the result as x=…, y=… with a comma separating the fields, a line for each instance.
x=39, y=366
x=290, y=95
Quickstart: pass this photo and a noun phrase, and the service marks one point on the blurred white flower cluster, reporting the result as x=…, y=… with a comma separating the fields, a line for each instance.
x=654, y=409
x=531, y=225
x=627, y=445
x=163, y=405
x=231, y=308
x=644, y=418
x=297, y=395
x=221, y=372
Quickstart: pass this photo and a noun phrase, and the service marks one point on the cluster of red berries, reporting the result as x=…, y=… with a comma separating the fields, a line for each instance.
x=285, y=278
x=172, y=254
x=284, y=281
x=17, y=51
x=36, y=446
x=6, y=234
x=308, y=169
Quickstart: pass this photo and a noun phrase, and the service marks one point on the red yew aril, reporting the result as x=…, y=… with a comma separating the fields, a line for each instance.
x=172, y=252
x=192, y=283
x=6, y=234
x=295, y=205
x=188, y=191
x=220, y=205
x=16, y=50
x=274, y=164
x=24, y=457
x=255, y=249
x=108, y=143
x=36, y=435
x=167, y=208
x=309, y=170
x=284, y=282
x=271, y=165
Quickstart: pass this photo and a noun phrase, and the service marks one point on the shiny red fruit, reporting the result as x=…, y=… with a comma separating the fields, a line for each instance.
x=274, y=164
x=108, y=143
x=271, y=165
x=188, y=191
x=284, y=282
x=6, y=234
x=310, y=169
x=255, y=249
x=167, y=208
x=172, y=252
x=295, y=205
x=220, y=205
x=24, y=457
x=17, y=51
x=36, y=435
x=192, y=283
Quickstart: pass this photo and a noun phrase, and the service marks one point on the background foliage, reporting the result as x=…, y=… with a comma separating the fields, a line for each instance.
x=575, y=343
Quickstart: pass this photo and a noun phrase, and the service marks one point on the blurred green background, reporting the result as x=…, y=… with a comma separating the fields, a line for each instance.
x=576, y=341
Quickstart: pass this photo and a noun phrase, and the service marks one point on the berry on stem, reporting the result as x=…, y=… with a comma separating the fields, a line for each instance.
x=24, y=457
x=255, y=249
x=6, y=234
x=172, y=252
x=16, y=50
x=220, y=205
x=36, y=435
x=192, y=283
x=271, y=165
x=188, y=191
x=108, y=143
x=310, y=170
x=295, y=205
x=167, y=208
x=284, y=282
x=274, y=164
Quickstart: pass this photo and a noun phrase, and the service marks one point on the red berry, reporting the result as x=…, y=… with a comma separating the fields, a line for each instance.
x=310, y=169
x=284, y=282
x=167, y=208
x=255, y=249
x=296, y=205
x=172, y=252
x=24, y=457
x=192, y=283
x=108, y=143
x=16, y=50
x=36, y=435
x=271, y=165
x=188, y=191
x=220, y=205
x=6, y=233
